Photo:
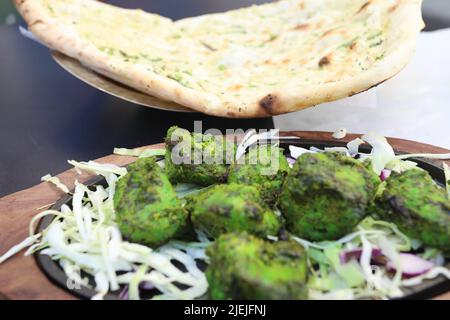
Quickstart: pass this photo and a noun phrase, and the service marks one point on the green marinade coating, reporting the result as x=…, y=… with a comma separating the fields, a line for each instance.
x=265, y=167
x=418, y=206
x=233, y=207
x=243, y=266
x=326, y=195
x=199, y=165
x=147, y=208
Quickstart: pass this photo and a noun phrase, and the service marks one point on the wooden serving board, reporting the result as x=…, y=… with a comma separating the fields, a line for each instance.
x=20, y=277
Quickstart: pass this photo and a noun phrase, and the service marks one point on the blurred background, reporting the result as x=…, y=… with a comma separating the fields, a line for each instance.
x=48, y=116
x=436, y=12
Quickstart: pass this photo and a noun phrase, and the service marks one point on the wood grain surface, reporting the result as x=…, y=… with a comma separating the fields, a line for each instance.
x=20, y=277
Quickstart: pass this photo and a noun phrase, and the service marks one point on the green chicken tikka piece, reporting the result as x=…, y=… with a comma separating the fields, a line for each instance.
x=326, y=195
x=243, y=266
x=233, y=207
x=265, y=167
x=147, y=208
x=197, y=158
x=418, y=206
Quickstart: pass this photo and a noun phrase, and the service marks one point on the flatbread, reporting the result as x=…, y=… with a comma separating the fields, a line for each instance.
x=252, y=62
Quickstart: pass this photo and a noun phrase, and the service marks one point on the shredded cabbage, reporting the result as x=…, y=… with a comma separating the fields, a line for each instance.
x=447, y=178
x=298, y=151
x=252, y=137
x=382, y=152
x=353, y=146
x=139, y=152
x=56, y=182
x=399, y=166
x=249, y=139
x=103, y=169
x=361, y=278
x=19, y=247
x=314, y=149
x=137, y=278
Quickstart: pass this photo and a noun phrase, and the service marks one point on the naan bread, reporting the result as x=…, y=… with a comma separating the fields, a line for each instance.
x=252, y=62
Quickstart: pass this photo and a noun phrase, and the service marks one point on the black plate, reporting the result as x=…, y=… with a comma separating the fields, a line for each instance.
x=53, y=271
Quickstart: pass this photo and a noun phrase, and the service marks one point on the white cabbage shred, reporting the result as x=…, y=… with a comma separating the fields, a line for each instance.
x=298, y=151
x=353, y=146
x=447, y=179
x=252, y=137
x=382, y=152
x=139, y=152
x=56, y=182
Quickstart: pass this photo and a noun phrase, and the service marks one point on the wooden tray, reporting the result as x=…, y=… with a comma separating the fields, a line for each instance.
x=20, y=277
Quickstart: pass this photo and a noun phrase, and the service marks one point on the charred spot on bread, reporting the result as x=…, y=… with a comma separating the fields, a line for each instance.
x=268, y=103
x=364, y=6
x=325, y=61
x=394, y=7
x=302, y=26
x=328, y=32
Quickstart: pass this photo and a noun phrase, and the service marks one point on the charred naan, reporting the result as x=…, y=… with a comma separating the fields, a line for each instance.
x=252, y=62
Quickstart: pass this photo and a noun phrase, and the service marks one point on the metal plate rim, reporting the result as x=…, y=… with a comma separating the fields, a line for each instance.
x=100, y=82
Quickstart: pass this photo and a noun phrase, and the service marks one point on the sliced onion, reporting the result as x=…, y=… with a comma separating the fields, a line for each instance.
x=291, y=161
x=412, y=265
x=346, y=255
x=385, y=173
x=123, y=295
x=55, y=180
x=146, y=285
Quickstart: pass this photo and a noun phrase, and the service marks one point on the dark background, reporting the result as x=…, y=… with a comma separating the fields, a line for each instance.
x=47, y=116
